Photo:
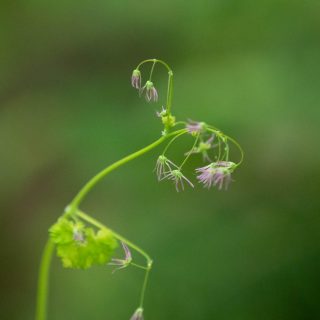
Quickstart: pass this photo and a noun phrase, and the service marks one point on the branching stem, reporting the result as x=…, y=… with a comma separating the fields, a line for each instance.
x=73, y=211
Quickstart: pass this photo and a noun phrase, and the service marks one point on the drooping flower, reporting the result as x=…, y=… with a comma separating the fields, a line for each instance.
x=216, y=174
x=195, y=127
x=136, y=79
x=151, y=91
x=203, y=148
x=177, y=177
x=138, y=314
x=163, y=166
x=122, y=263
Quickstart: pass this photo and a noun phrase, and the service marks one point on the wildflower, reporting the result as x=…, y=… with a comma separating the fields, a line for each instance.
x=216, y=174
x=122, y=263
x=177, y=176
x=136, y=79
x=163, y=166
x=151, y=92
x=195, y=127
x=203, y=148
x=161, y=113
x=138, y=314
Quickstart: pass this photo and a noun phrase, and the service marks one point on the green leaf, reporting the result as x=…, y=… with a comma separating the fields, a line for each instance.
x=80, y=247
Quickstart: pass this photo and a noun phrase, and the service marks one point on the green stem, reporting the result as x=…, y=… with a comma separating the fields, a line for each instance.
x=189, y=153
x=172, y=140
x=152, y=68
x=170, y=82
x=154, y=60
x=43, y=281
x=99, y=225
x=138, y=266
x=169, y=92
x=218, y=132
x=144, y=285
x=97, y=178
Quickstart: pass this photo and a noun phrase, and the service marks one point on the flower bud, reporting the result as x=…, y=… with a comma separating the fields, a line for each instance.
x=138, y=315
x=168, y=121
x=151, y=91
x=136, y=79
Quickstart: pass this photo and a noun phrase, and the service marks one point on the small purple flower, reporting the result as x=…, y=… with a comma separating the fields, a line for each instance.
x=122, y=263
x=195, y=127
x=136, y=79
x=177, y=177
x=138, y=314
x=163, y=166
x=151, y=92
x=216, y=174
x=203, y=148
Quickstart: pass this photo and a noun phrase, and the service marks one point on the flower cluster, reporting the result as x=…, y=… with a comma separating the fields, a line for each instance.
x=216, y=174
x=151, y=92
x=207, y=140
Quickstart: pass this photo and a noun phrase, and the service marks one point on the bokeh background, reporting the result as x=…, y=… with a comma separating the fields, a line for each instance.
x=67, y=110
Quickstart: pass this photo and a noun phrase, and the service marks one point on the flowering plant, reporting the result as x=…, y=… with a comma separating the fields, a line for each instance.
x=81, y=241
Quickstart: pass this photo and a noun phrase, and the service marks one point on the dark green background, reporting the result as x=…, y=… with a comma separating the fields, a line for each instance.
x=67, y=110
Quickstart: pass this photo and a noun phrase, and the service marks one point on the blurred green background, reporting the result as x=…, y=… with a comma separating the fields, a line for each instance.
x=67, y=110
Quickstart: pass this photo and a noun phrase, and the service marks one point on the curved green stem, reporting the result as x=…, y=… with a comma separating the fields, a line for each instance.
x=97, y=178
x=172, y=140
x=144, y=285
x=100, y=225
x=218, y=132
x=170, y=83
x=154, y=60
x=43, y=281
x=152, y=68
x=189, y=153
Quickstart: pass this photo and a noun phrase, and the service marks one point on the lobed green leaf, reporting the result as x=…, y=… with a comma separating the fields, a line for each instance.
x=81, y=247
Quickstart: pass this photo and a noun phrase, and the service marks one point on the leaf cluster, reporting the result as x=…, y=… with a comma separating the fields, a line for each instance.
x=81, y=247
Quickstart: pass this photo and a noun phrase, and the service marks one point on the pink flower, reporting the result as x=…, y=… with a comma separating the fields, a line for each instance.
x=151, y=92
x=195, y=127
x=216, y=174
x=136, y=79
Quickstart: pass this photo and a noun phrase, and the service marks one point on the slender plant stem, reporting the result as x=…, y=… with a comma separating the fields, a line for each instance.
x=99, y=225
x=138, y=266
x=212, y=129
x=169, y=92
x=43, y=284
x=152, y=68
x=43, y=281
x=144, y=285
x=172, y=140
x=189, y=153
x=170, y=82
x=97, y=178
